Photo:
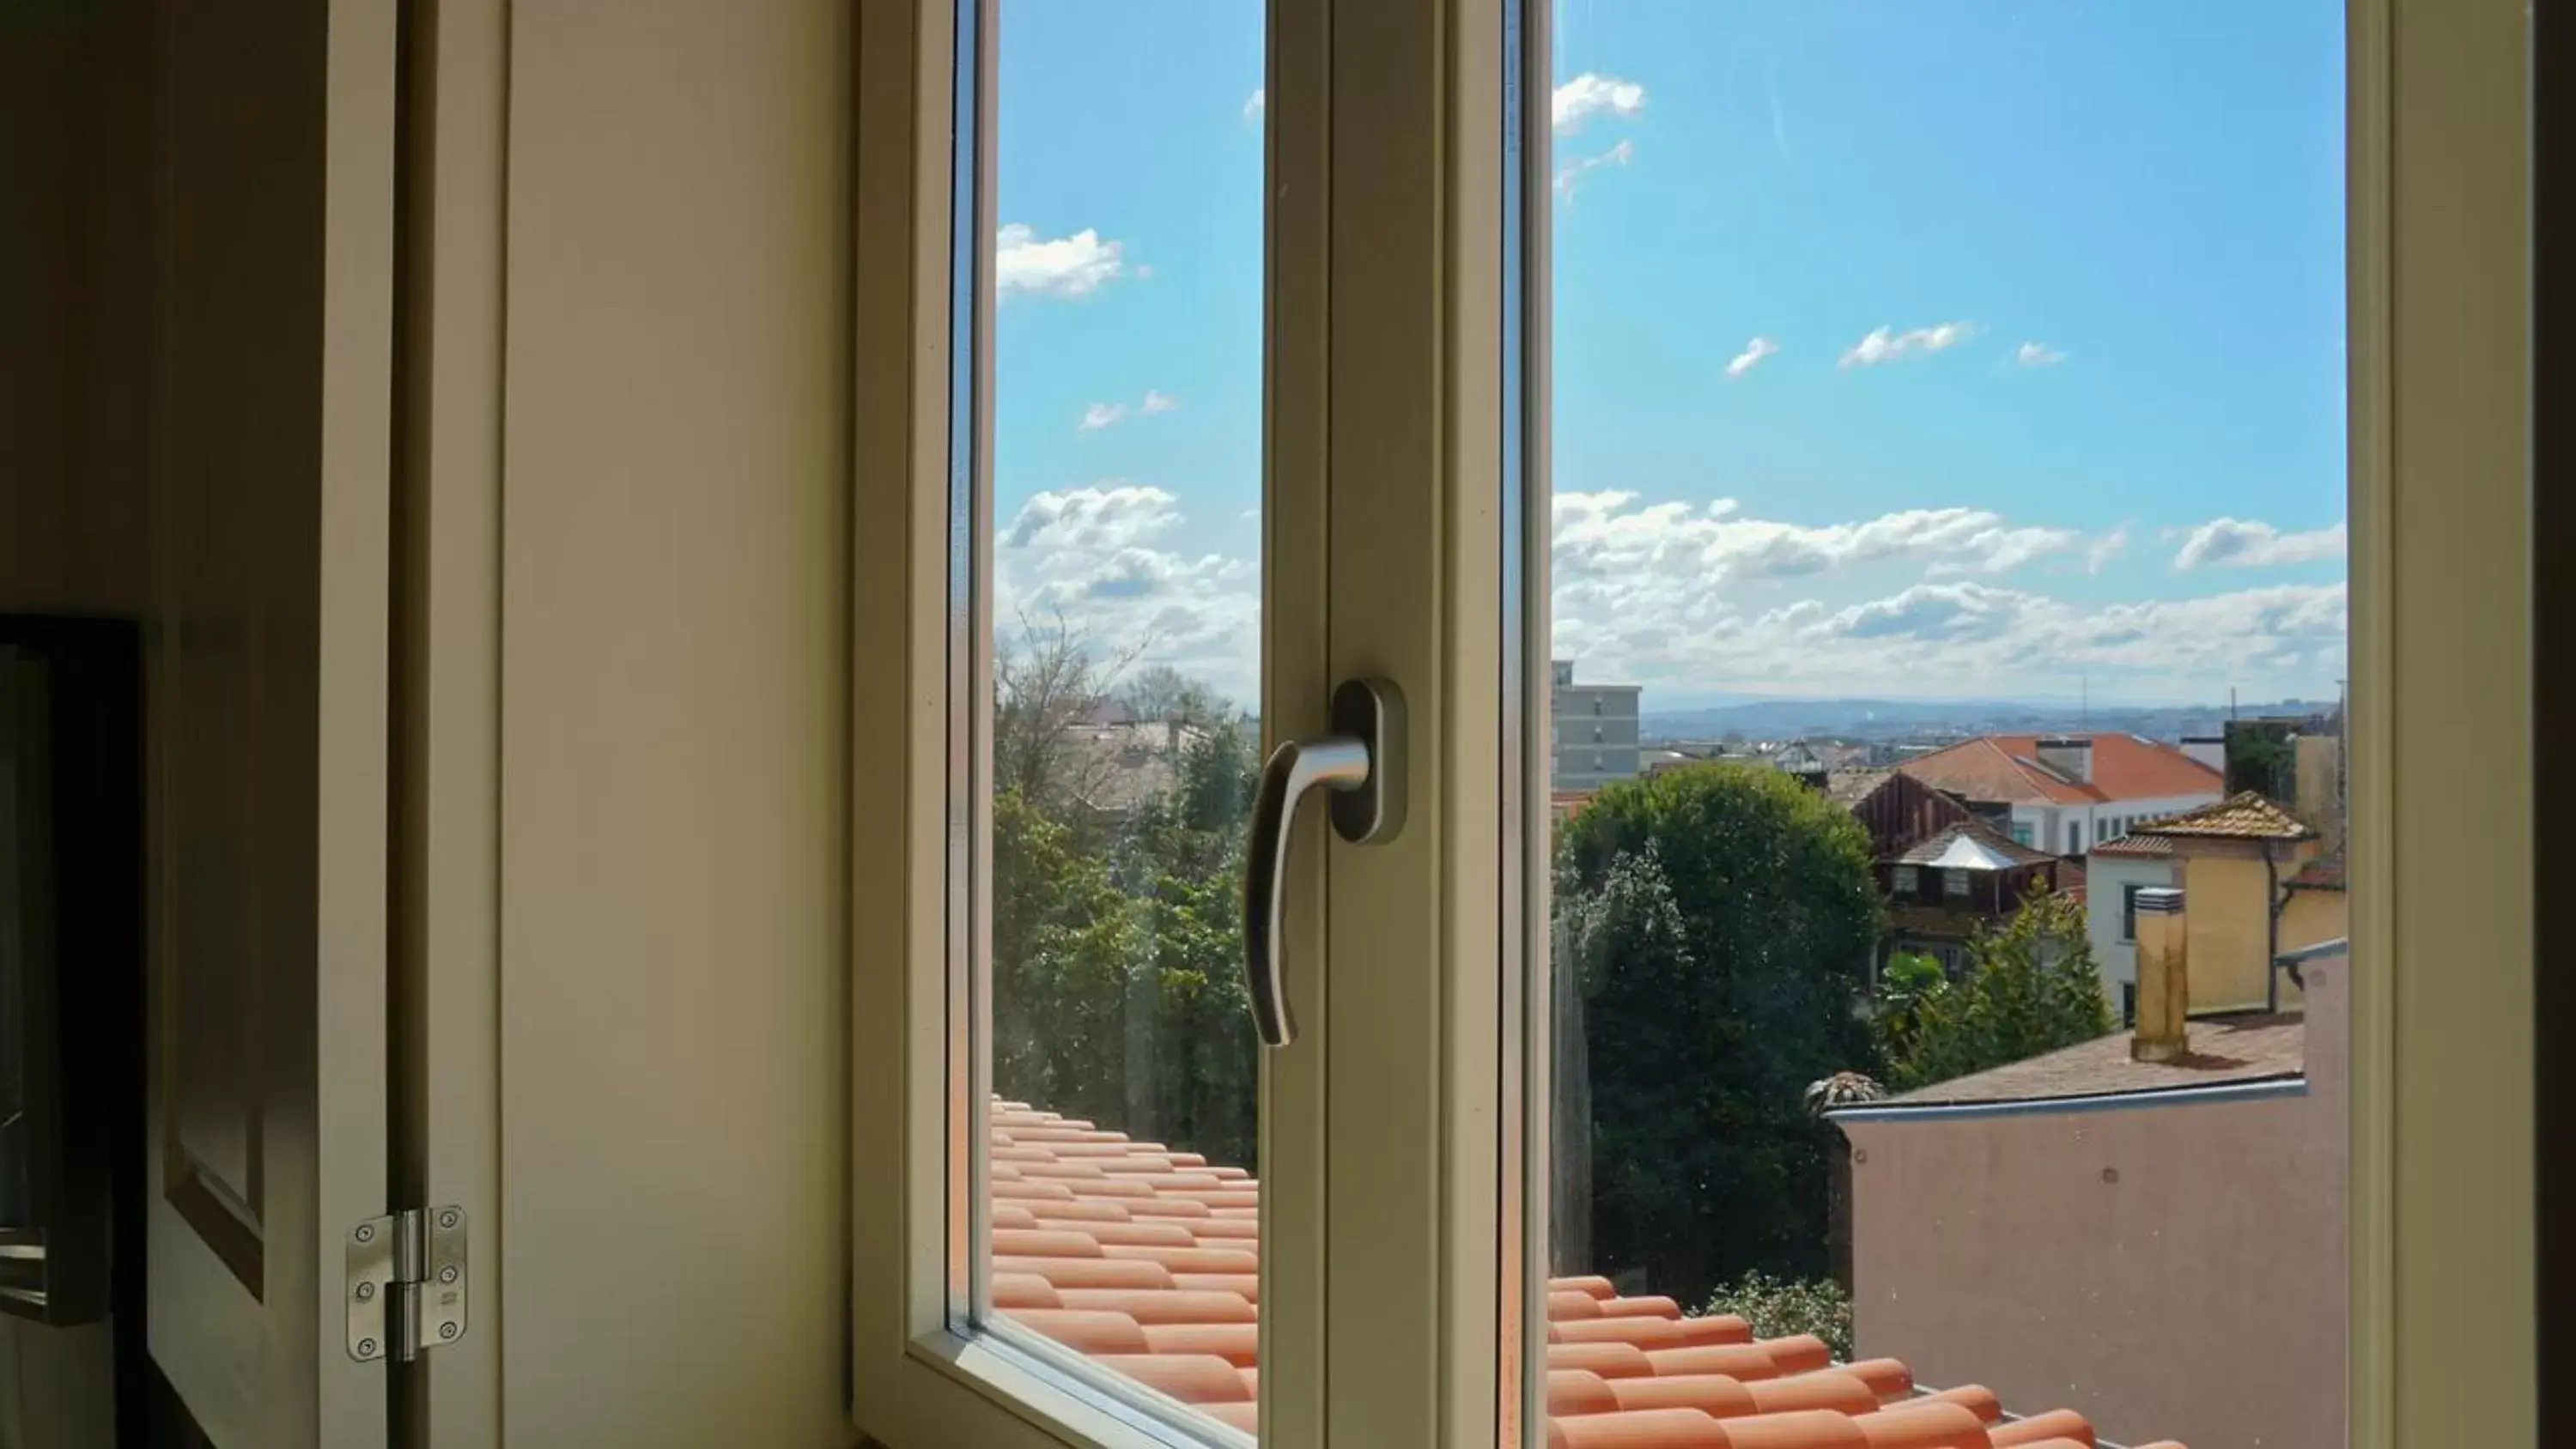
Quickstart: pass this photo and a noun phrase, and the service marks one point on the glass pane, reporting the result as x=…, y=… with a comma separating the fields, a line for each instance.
x=1947, y=1012
x=1125, y=541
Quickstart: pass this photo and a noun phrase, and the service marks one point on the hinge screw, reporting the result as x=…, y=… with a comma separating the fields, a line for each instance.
x=366, y=1291
x=447, y=1219
x=447, y=1329
x=366, y=1232
x=366, y=1348
x=447, y=1274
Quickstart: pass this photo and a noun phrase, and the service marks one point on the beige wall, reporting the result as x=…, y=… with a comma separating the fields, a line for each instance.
x=2170, y=1270
x=2225, y=905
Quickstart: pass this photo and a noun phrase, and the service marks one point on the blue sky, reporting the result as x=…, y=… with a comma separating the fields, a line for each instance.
x=1947, y=348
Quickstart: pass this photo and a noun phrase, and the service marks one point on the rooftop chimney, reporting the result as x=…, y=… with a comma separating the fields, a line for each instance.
x=2210, y=750
x=2164, y=978
x=2069, y=755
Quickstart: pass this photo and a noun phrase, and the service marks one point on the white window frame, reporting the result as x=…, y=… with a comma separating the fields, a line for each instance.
x=2441, y=1197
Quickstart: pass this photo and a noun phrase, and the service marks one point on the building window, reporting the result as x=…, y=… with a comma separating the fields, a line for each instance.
x=1954, y=883
x=1903, y=881
x=1596, y=734
x=2129, y=1000
x=1596, y=706
x=2129, y=913
x=2021, y=833
x=2074, y=837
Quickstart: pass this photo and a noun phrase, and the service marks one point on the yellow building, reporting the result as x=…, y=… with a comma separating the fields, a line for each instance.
x=2258, y=882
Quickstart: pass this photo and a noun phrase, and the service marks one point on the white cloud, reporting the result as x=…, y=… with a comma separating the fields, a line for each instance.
x=2239, y=543
x=1702, y=597
x=2106, y=548
x=1589, y=94
x=1103, y=414
x=1102, y=557
x=1886, y=345
x=2036, y=354
x=1567, y=174
x=1069, y=266
x=1254, y=104
x=1751, y=357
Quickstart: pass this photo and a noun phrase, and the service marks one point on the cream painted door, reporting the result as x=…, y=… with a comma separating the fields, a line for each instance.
x=268, y=685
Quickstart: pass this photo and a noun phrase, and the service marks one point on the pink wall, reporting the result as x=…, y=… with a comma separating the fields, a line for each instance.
x=2170, y=1269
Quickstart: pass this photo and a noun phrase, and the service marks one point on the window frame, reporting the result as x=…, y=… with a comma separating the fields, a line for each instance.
x=2441, y=1192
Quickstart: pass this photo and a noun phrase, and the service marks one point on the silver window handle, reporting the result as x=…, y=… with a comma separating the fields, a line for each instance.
x=1362, y=764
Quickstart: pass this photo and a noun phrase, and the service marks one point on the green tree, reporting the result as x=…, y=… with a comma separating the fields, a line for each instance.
x=2031, y=987
x=1117, y=941
x=1779, y=1307
x=1719, y=924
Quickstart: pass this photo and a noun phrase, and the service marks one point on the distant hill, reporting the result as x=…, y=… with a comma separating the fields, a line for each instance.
x=1895, y=719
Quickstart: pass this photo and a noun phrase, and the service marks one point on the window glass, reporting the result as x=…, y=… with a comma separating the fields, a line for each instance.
x=1124, y=534
x=1945, y=426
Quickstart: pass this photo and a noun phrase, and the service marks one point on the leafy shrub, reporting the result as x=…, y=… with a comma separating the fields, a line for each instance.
x=1779, y=1307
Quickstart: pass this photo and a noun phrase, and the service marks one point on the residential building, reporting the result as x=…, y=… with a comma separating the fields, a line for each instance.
x=2115, y=871
x=1943, y=888
x=2236, y=861
x=1593, y=732
x=2203, y=1195
x=2064, y=793
x=2261, y=880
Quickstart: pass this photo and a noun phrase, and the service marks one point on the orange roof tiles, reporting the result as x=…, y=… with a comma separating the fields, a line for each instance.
x=2244, y=815
x=1147, y=1261
x=2007, y=768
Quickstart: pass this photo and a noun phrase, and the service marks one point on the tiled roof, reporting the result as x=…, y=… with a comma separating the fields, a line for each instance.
x=2007, y=768
x=2241, y=1048
x=1850, y=787
x=2245, y=815
x=1148, y=1260
x=1973, y=845
x=2155, y=846
x=2070, y=880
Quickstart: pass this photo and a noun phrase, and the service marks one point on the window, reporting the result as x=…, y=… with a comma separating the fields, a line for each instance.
x=2129, y=912
x=1902, y=880
x=1683, y=227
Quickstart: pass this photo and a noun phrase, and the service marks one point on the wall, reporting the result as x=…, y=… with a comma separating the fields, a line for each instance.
x=2106, y=880
x=2167, y=1269
x=1573, y=723
x=2228, y=920
x=674, y=1134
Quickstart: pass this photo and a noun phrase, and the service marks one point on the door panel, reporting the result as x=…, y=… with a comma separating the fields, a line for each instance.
x=268, y=687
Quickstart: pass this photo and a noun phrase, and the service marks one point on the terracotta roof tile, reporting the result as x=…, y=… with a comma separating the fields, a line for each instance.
x=2245, y=815
x=2006, y=768
x=2137, y=846
x=1129, y=1263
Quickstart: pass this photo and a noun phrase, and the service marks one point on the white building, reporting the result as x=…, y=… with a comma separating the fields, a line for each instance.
x=1592, y=732
x=2066, y=794
x=2113, y=875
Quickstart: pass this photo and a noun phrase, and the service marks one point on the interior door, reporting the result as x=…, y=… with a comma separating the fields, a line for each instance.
x=267, y=685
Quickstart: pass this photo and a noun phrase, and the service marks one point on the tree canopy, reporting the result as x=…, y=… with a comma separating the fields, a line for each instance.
x=1716, y=924
x=2031, y=987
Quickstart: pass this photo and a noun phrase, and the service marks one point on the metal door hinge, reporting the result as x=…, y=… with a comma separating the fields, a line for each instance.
x=406, y=1283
